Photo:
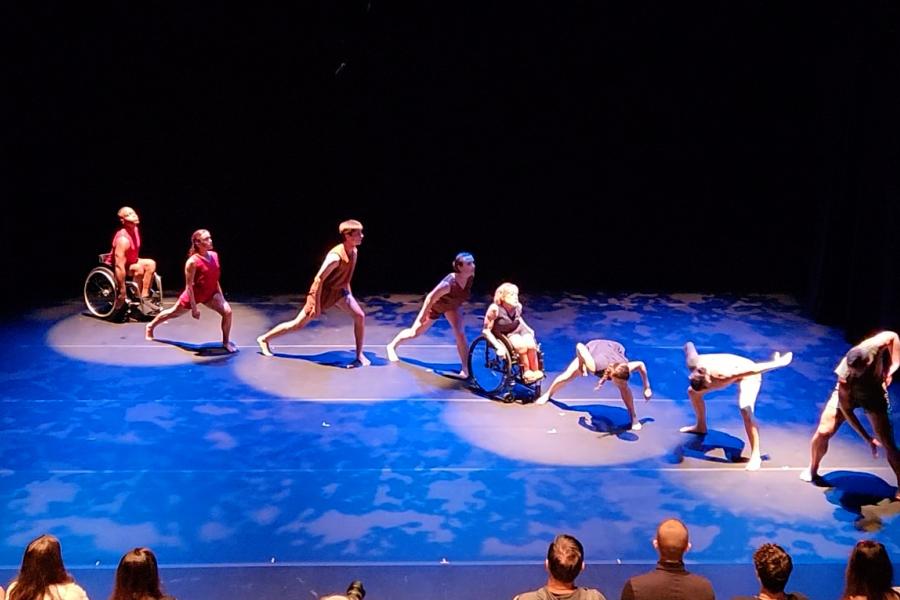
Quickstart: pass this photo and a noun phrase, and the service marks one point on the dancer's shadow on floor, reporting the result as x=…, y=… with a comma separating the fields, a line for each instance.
x=605, y=420
x=867, y=498
x=339, y=359
x=448, y=370
x=206, y=349
x=700, y=445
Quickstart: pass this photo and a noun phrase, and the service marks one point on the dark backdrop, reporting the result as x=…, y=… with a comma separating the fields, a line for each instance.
x=652, y=146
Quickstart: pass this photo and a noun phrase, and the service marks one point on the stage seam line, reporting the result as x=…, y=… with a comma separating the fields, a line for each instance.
x=735, y=468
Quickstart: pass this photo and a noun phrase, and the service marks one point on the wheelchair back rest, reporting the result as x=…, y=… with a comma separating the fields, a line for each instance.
x=105, y=258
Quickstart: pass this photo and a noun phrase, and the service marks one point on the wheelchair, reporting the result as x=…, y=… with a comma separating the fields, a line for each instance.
x=101, y=291
x=500, y=377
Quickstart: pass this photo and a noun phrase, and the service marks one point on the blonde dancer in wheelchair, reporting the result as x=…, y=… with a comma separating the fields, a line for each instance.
x=504, y=317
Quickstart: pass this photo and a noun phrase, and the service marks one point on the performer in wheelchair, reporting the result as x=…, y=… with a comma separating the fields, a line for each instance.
x=504, y=317
x=125, y=258
x=606, y=359
x=445, y=299
x=201, y=276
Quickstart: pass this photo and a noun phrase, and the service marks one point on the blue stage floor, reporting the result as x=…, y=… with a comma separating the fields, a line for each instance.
x=110, y=442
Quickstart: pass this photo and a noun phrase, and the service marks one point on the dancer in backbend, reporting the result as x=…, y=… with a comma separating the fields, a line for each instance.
x=201, y=286
x=445, y=299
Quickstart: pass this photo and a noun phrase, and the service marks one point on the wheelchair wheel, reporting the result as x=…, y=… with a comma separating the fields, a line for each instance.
x=100, y=292
x=489, y=371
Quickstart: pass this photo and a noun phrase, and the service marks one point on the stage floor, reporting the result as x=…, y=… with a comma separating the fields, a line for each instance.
x=110, y=441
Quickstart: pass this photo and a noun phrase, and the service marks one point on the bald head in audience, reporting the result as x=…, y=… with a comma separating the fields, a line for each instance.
x=671, y=540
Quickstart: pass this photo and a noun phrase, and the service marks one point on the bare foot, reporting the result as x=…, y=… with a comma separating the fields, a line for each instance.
x=361, y=361
x=754, y=464
x=783, y=359
x=148, y=333
x=636, y=426
x=693, y=429
x=392, y=353
x=264, y=347
x=463, y=374
x=230, y=347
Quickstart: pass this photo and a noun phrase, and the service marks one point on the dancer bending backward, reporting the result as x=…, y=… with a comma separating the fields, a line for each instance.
x=711, y=372
x=125, y=257
x=201, y=286
x=445, y=299
x=504, y=316
x=864, y=375
x=606, y=359
x=330, y=287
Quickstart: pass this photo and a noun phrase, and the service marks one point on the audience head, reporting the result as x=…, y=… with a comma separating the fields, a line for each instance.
x=869, y=571
x=565, y=558
x=671, y=540
x=137, y=577
x=773, y=567
x=42, y=566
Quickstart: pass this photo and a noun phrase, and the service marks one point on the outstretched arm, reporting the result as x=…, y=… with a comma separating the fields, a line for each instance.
x=641, y=368
x=433, y=296
x=189, y=272
x=846, y=407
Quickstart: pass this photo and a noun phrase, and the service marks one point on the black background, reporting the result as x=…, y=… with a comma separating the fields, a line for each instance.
x=655, y=146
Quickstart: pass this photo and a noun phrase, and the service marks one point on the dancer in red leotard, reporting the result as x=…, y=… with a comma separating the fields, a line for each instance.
x=201, y=276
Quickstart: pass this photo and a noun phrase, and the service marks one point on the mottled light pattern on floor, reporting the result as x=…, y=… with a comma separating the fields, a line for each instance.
x=110, y=441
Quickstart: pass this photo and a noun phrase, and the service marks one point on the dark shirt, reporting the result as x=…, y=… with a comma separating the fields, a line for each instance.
x=576, y=594
x=671, y=581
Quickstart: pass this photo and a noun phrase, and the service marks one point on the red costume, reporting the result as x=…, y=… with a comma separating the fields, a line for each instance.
x=206, y=279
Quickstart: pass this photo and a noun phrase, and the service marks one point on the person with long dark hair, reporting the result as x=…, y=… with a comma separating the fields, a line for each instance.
x=137, y=577
x=201, y=286
x=43, y=575
x=869, y=574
